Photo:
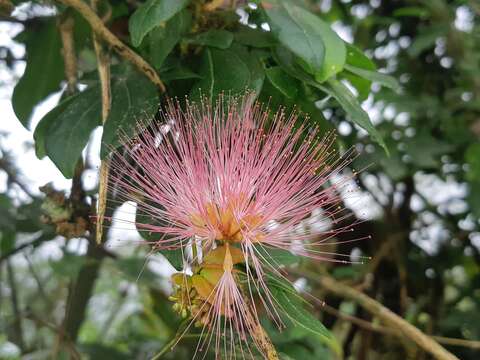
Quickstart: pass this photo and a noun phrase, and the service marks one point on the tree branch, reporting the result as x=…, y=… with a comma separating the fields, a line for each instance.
x=104, y=75
x=17, y=324
x=81, y=291
x=68, y=51
x=103, y=32
x=366, y=325
x=386, y=315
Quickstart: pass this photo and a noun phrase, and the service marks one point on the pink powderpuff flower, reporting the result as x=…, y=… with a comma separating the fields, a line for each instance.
x=233, y=174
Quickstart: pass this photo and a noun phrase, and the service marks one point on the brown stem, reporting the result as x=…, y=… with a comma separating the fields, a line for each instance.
x=386, y=315
x=68, y=51
x=104, y=75
x=366, y=325
x=104, y=33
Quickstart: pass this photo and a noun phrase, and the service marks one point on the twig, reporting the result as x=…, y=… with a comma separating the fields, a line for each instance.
x=103, y=32
x=68, y=51
x=366, y=325
x=104, y=75
x=17, y=325
x=384, y=314
x=12, y=252
x=41, y=289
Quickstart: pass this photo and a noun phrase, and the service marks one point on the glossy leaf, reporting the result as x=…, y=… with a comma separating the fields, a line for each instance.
x=297, y=30
x=42, y=128
x=134, y=98
x=287, y=85
x=352, y=107
x=276, y=257
x=296, y=315
x=321, y=50
x=220, y=39
x=150, y=15
x=43, y=72
x=375, y=76
x=69, y=129
x=163, y=39
x=254, y=37
x=230, y=71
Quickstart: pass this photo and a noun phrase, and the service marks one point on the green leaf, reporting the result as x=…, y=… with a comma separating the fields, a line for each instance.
x=220, y=39
x=134, y=98
x=352, y=107
x=356, y=57
x=276, y=256
x=295, y=314
x=42, y=128
x=254, y=37
x=284, y=83
x=175, y=257
x=150, y=15
x=43, y=72
x=70, y=128
x=375, y=76
x=297, y=30
x=163, y=39
x=322, y=51
x=232, y=71
x=179, y=73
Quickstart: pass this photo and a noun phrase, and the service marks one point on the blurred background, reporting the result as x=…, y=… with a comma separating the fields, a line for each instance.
x=421, y=204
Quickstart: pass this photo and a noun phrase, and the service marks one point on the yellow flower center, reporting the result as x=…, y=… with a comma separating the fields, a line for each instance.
x=227, y=227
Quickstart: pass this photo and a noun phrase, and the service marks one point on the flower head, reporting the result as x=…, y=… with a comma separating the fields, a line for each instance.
x=233, y=179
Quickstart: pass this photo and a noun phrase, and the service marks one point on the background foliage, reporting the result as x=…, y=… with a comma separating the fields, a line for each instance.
x=400, y=84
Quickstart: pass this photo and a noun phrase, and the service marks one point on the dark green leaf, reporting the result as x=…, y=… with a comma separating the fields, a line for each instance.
x=7, y=241
x=276, y=257
x=287, y=85
x=298, y=30
x=349, y=103
x=221, y=39
x=150, y=15
x=69, y=131
x=254, y=37
x=321, y=50
x=375, y=76
x=134, y=98
x=42, y=128
x=179, y=73
x=163, y=39
x=231, y=71
x=43, y=72
x=296, y=315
